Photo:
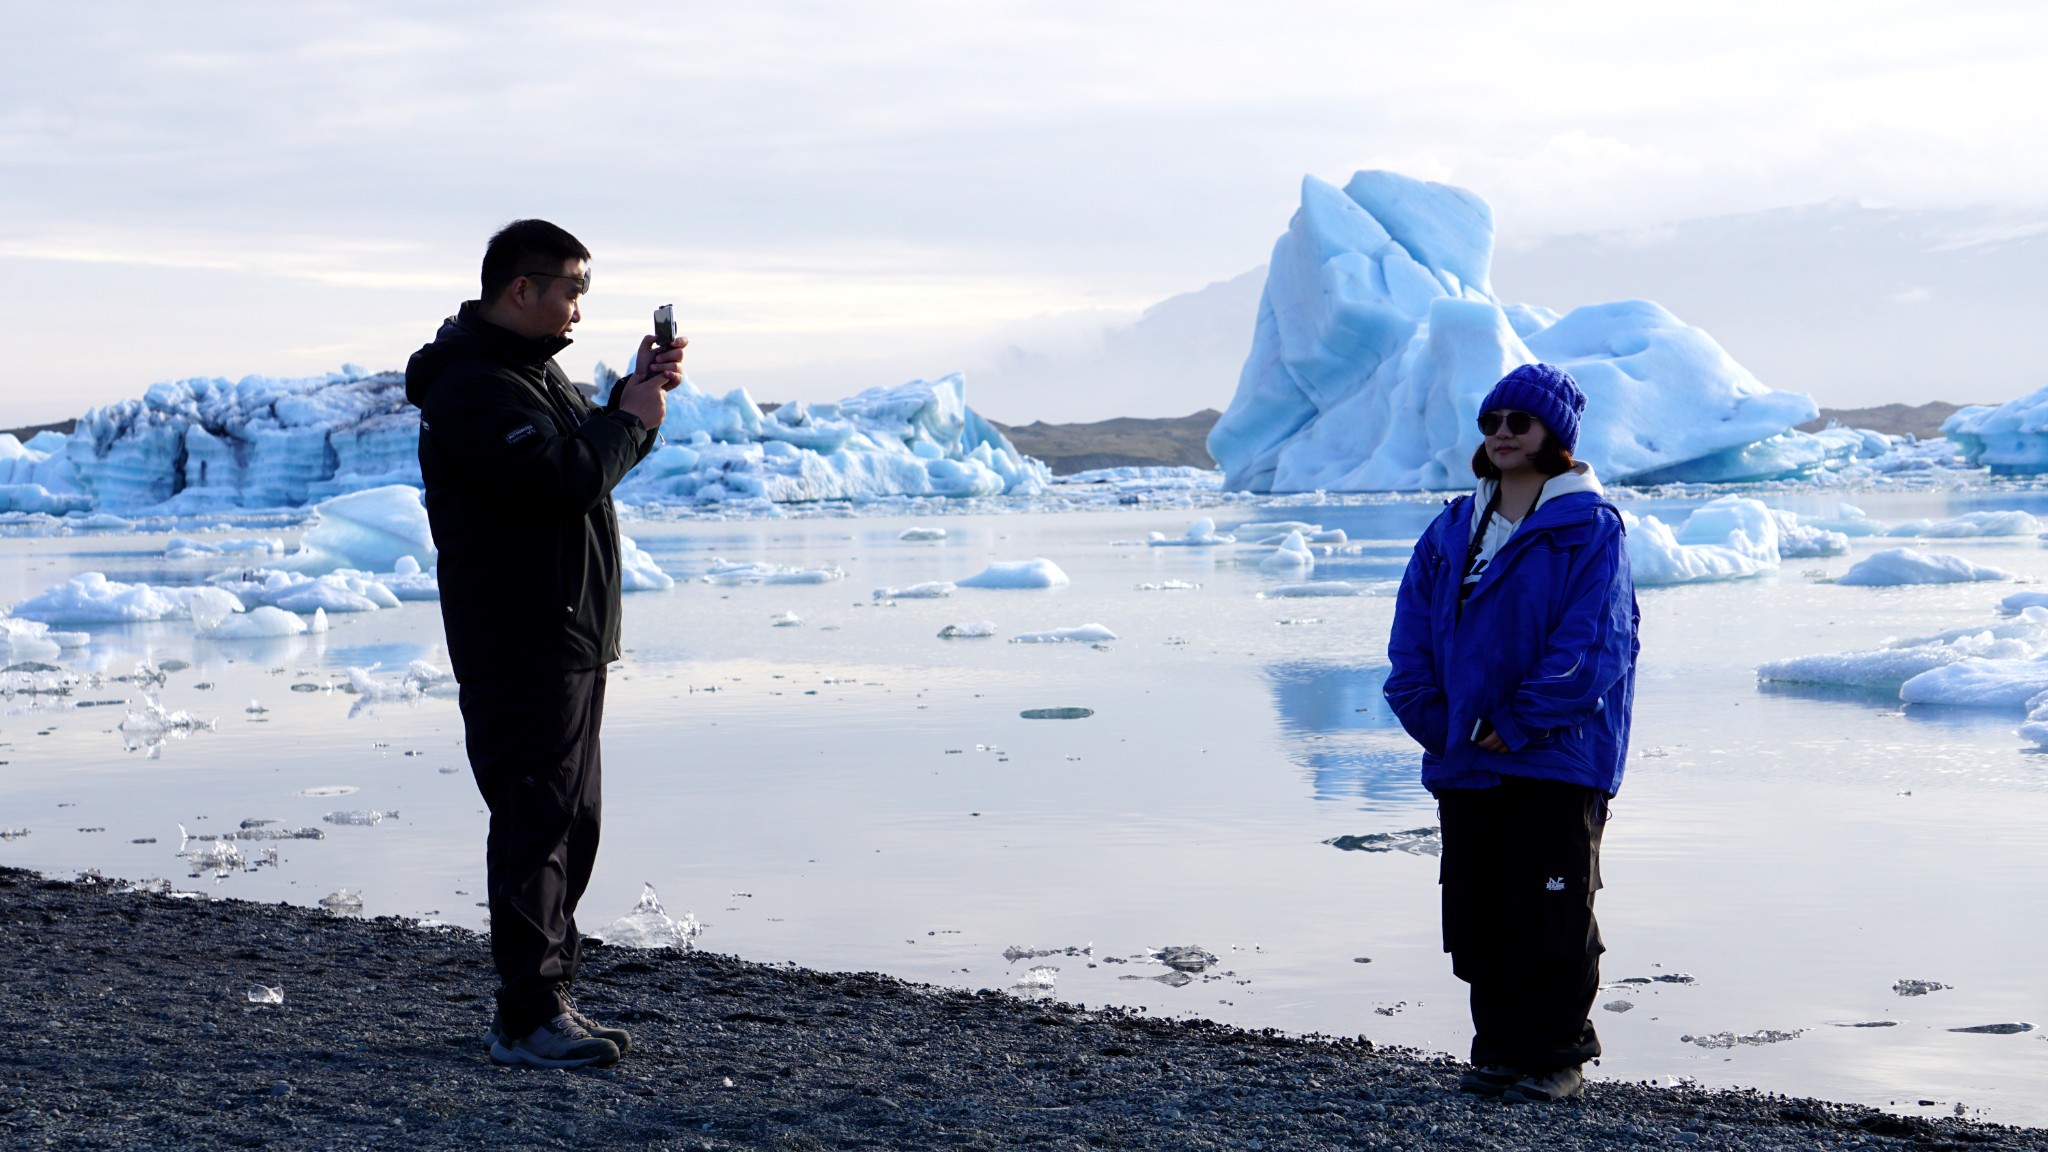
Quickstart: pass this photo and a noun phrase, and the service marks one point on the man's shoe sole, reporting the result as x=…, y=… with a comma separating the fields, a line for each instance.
x=511, y=1056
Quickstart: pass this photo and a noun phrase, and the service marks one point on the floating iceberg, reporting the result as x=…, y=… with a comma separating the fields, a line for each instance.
x=1201, y=534
x=33, y=640
x=915, y=439
x=1729, y=539
x=1037, y=573
x=1895, y=566
x=370, y=530
x=186, y=547
x=343, y=591
x=922, y=534
x=2011, y=439
x=206, y=444
x=1797, y=537
x=1849, y=520
x=91, y=598
x=260, y=623
x=1083, y=634
x=199, y=445
x=1379, y=333
x=973, y=630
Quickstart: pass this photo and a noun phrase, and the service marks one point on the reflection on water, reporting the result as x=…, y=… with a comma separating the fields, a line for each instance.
x=1343, y=733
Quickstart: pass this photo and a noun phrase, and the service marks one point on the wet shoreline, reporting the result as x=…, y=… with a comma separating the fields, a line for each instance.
x=131, y=1026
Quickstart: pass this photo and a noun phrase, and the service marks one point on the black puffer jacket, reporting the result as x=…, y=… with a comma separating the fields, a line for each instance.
x=519, y=471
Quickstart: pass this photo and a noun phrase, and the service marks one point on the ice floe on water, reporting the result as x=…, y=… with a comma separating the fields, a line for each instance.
x=1414, y=841
x=34, y=640
x=785, y=620
x=921, y=534
x=1201, y=534
x=649, y=925
x=369, y=530
x=2007, y=523
x=1979, y=683
x=186, y=547
x=1035, y=573
x=1849, y=520
x=972, y=630
x=1896, y=566
x=1038, y=983
x=1319, y=588
x=419, y=679
x=91, y=598
x=1919, y=987
x=730, y=573
x=1797, y=538
x=927, y=590
x=1762, y=1036
x=1081, y=634
x=1167, y=586
x=1890, y=667
x=264, y=622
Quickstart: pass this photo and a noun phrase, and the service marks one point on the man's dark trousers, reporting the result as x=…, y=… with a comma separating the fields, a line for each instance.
x=1520, y=866
x=533, y=747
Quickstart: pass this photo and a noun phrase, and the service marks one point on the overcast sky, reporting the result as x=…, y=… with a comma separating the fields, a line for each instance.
x=849, y=188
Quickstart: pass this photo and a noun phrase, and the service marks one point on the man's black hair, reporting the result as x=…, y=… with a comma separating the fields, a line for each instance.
x=523, y=247
x=1551, y=460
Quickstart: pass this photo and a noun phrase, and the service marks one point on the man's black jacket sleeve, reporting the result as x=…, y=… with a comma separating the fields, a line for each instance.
x=500, y=438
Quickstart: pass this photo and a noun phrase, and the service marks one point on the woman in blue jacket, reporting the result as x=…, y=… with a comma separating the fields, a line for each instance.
x=1513, y=652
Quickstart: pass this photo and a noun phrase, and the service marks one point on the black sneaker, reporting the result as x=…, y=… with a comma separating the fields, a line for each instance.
x=1491, y=1080
x=1548, y=1088
x=559, y=1043
x=620, y=1038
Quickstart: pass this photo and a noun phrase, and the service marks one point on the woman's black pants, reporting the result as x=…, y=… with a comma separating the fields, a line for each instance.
x=1520, y=866
x=533, y=749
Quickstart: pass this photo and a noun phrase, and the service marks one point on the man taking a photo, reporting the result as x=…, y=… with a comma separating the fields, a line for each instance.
x=519, y=470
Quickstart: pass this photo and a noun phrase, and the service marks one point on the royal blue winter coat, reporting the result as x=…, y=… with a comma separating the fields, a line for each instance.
x=1545, y=648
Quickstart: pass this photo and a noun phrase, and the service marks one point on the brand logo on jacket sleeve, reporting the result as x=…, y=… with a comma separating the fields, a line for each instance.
x=523, y=432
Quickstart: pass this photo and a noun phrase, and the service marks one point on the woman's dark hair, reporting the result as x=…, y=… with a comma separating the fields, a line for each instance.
x=1551, y=460
x=525, y=246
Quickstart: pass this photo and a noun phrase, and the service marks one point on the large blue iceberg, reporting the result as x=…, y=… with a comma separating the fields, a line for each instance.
x=2011, y=439
x=1379, y=334
x=209, y=445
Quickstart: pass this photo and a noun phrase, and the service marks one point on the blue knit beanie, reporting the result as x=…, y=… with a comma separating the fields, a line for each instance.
x=1547, y=393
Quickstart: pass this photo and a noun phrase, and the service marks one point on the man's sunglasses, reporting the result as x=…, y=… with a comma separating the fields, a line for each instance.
x=582, y=282
x=1517, y=422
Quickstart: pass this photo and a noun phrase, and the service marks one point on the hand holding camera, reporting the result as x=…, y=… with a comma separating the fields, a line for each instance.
x=658, y=367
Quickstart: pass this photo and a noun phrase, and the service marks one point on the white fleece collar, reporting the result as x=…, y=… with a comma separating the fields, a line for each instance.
x=1579, y=479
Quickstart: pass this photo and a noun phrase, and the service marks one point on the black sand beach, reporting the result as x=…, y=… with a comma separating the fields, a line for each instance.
x=127, y=1024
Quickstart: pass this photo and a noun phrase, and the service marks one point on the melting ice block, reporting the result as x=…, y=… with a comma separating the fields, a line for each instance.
x=1291, y=557
x=638, y=571
x=649, y=925
x=1082, y=634
x=2010, y=523
x=1201, y=534
x=1895, y=566
x=91, y=598
x=371, y=530
x=1979, y=684
x=1379, y=333
x=1036, y=573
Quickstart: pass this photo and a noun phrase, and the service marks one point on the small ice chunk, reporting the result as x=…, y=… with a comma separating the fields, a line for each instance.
x=1731, y=1039
x=1015, y=953
x=364, y=818
x=1970, y=524
x=1037, y=983
x=265, y=994
x=1293, y=556
x=920, y=534
x=728, y=573
x=1184, y=957
x=1731, y=538
x=1056, y=713
x=261, y=623
x=1617, y=1006
x=324, y=791
x=927, y=590
x=649, y=925
x=1083, y=634
x=786, y=620
x=1035, y=573
x=342, y=900
x=2012, y=1029
x=1919, y=987
x=973, y=630
x=1201, y=534
x=1979, y=683
x=1169, y=586
x=1415, y=842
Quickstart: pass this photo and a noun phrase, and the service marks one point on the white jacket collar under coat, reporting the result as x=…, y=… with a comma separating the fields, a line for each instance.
x=1579, y=479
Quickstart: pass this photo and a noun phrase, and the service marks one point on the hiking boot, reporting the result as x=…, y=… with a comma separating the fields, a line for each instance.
x=1549, y=1088
x=620, y=1038
x=559, y=1043
x=1491, y=1080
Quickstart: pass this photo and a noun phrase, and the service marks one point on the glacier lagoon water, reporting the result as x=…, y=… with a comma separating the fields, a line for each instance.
x=856, y=793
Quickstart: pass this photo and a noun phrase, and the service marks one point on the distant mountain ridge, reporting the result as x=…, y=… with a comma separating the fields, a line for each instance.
x=1123, y=442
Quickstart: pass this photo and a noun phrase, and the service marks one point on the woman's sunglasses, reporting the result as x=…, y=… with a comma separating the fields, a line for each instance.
x=1517, y=422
